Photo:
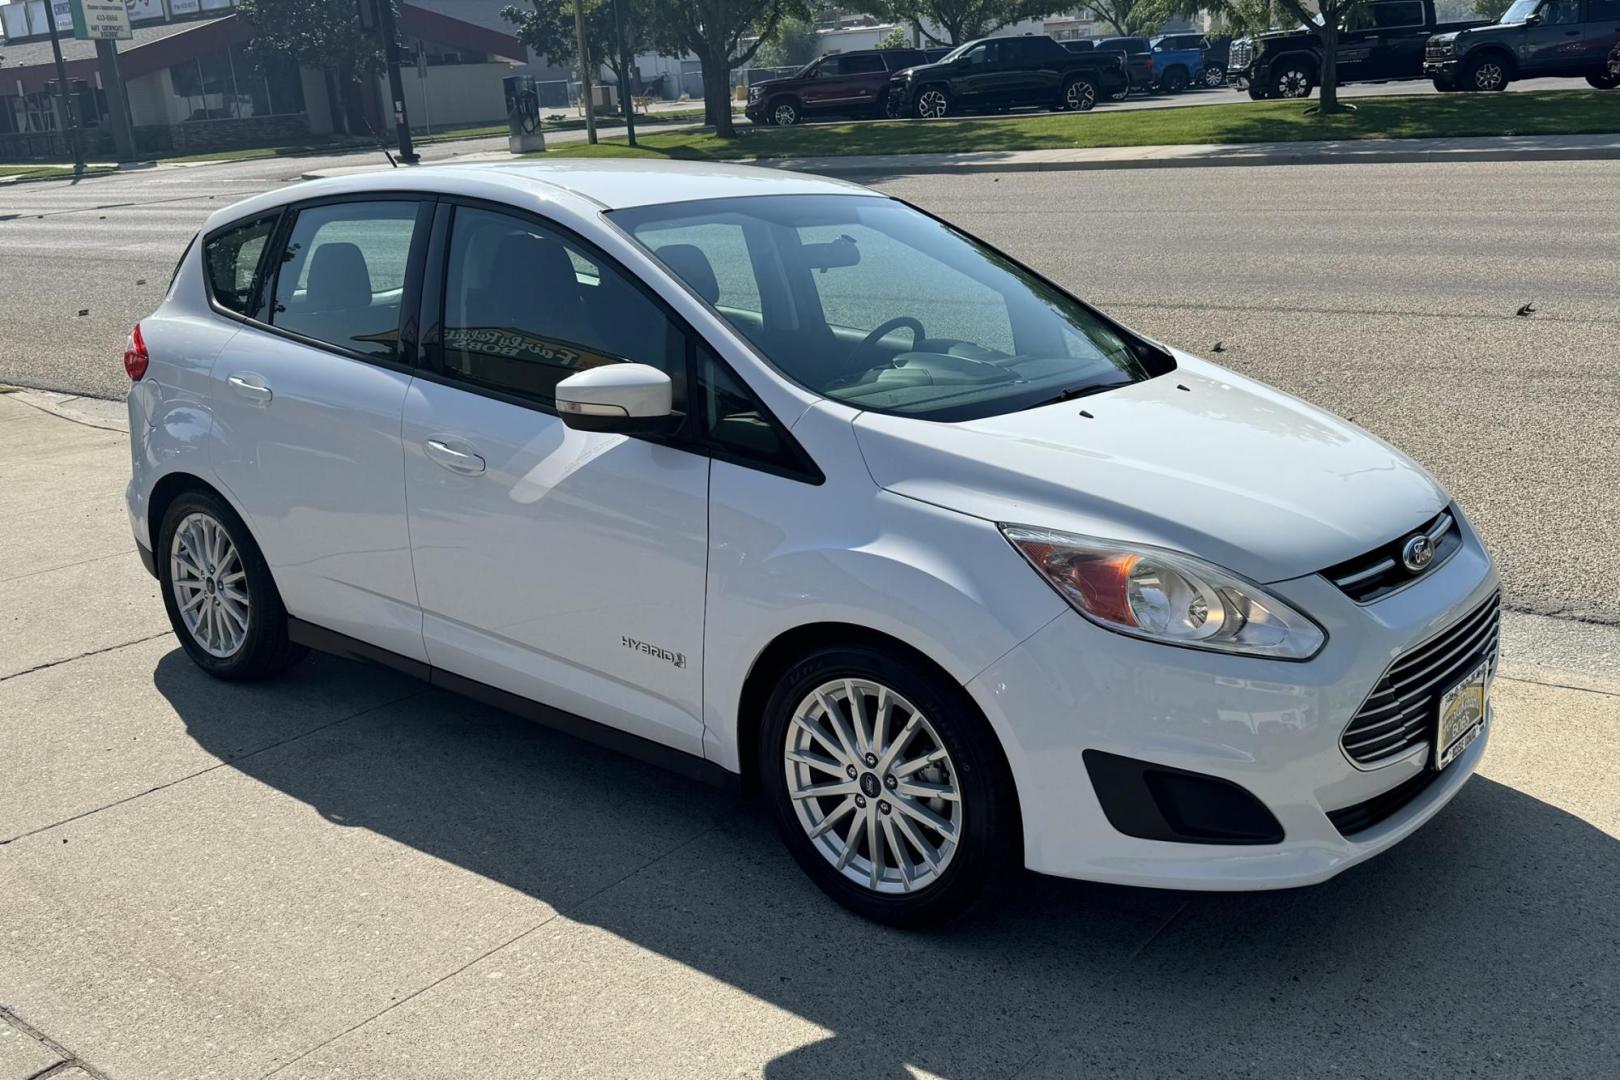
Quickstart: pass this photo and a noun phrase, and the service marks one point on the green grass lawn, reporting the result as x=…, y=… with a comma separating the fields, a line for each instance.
x=46, y=172
x=1560, y=112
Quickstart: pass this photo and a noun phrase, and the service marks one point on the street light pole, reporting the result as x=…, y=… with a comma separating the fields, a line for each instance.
x=396, y=88
x=624, y=72
x=70, y=123
x=585, y=70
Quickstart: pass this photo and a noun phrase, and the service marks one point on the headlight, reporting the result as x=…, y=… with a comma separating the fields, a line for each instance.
x=1166, y=596
x=755, y=93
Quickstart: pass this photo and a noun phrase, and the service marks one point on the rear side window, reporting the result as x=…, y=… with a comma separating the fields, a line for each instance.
x=342, y=275
x=232, y=259
x=857, y=64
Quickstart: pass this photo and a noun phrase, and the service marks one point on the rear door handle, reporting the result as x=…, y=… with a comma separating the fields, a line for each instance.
x=455, y=458
x=252, y=387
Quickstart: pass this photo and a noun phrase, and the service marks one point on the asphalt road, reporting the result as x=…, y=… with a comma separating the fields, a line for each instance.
x=1384, y=292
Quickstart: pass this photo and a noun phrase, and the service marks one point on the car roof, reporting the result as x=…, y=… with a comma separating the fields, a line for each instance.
x=609, y=185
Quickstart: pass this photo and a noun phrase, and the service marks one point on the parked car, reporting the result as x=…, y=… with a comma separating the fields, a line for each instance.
x=844, y=84
x=1007, y=72
x=1217, y=51
x=1533, y=39
x=1178, y=61
x=1382, y=42
x=789, y=485
x=1133, y=54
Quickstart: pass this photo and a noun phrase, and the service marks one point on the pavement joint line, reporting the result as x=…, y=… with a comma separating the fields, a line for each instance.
x=1558, y=685
x=68, y=1059
x=65, y=566
x=82, y=656
x=220, y=764
x=556, y=913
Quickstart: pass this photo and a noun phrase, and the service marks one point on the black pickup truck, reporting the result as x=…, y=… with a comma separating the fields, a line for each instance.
x=1382, y=41
x=1533, y=39
x=1007, y=72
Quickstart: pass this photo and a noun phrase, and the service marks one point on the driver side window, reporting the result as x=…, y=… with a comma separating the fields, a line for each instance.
x=1561, y=12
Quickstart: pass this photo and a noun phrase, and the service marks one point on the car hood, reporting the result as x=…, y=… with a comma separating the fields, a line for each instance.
x=1199, y=460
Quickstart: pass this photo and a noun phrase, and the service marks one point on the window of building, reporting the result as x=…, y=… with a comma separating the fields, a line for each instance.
x=342, y=275
x=526, y=308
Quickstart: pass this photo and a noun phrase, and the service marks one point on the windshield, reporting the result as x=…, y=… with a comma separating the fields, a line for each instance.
x=956, y=52
x=870, y=302
x=1520, y=11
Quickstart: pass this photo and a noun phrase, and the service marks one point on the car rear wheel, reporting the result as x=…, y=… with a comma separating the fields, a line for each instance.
x=1484, y=73
x=217, y=589
x=1079, y=95
x=887, y=786
x=1445, y=86
x=893, y=106
x=1175, y=81
x=1121, y=92
x=1214, y=76
x=785, y=112
x=1291, y=81
x=933, y=103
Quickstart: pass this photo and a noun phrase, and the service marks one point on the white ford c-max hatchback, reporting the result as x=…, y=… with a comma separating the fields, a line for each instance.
x=799, y=486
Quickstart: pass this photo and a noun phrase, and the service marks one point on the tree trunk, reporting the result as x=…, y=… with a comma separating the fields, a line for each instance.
x=717, y=94
x=1329, y=100
x=334, y=104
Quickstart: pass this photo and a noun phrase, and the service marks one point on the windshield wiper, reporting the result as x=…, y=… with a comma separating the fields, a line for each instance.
x=1074, y=392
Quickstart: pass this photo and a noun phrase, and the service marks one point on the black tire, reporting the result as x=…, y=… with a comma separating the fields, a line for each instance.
x=892, y=107
x=1214, y=77
x=1292, y=80
x=1445, y=86
x=988, y=853
x=1174, y=81
x=784, y=112
x=1603, y=80
x=264, y=649
x=932, y=103
x=1079, y=95
x=1484, y=74
x=1121, y=92
x=1256, y=93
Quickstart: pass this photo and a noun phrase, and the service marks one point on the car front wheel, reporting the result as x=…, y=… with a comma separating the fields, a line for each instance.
x=1484, y=73
x=933, y=103
x=785, y=113
x=887, y=786
x=893, y=106
x=217, y=589
x=1079, y=95
x=1291, y=81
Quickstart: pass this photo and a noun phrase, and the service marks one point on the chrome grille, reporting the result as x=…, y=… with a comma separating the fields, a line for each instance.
x=1239, y=53
x=1400, y=712
x=1379, y=572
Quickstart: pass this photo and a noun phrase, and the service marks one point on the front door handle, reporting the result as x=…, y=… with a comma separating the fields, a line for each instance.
x=455, y=458
x=252, y=387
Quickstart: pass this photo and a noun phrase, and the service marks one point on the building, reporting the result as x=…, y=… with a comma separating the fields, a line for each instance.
x=192, y=87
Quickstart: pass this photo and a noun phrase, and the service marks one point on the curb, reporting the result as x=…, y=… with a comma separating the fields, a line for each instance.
x=91, y=412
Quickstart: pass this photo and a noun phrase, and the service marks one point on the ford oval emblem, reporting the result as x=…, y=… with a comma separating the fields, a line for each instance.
x=1417, y=553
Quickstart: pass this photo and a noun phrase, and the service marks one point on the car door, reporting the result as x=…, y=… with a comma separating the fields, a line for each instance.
x=818, y=85
x=974, y=78
x=563, y=566
x=863, y=76
x=1028, y=76
x=1553, y=46
x=1401, y=34
x=307, y=403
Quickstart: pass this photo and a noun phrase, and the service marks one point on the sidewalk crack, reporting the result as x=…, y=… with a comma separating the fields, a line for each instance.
x=82, y=656
x=67, y=1058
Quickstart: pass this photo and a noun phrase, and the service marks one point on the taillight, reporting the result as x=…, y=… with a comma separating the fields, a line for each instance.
x=135, y=355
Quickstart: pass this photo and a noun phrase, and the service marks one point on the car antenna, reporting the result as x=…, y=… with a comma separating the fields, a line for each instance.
x=390, y=158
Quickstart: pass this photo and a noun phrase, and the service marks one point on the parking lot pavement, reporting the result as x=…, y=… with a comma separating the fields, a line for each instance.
x=344, y=873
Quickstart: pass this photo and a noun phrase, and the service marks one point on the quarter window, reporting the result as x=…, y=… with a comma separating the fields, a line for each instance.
x=232, y=258
x=525, y=309
x=857, y=64
x=342, y=276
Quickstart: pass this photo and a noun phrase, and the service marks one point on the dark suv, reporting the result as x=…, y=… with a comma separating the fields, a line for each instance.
x=1007, y=72
x=841, y=84
x=1532, y=39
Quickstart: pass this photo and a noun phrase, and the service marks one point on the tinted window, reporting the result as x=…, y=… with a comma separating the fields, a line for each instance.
x=342, y=275
x=1561, y=12
x=1603, y=10
x=961, y=331
x=856, y=64
x=524, y=309
x=232, y=259
x=904, y=58
x=1389, y=16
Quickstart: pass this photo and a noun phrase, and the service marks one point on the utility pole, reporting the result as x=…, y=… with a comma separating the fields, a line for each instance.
x=65, y=113
x=585, y=70
x=396, y=88
x=112, y=82
x=626, y=69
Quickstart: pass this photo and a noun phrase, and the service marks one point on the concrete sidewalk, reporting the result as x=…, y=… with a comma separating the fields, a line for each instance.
x=343, y=873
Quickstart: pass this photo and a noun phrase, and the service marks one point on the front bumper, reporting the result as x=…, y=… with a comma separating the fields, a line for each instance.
x=1441, y=69
x=1272, y=728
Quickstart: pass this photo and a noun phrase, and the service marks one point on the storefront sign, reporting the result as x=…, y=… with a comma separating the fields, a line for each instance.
x=101, y=20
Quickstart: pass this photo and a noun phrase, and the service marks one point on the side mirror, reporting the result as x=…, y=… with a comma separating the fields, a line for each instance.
x=628, y=399
x=1533, y=20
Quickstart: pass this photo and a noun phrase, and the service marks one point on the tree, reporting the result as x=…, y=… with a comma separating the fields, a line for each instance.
x=796, y=44
x=1491, y=9
x=716, y=31
x=896, y=38
x=547, y=27
x=951, y=22
x=1329, y=20
x=322, y=34
x=1130, y=18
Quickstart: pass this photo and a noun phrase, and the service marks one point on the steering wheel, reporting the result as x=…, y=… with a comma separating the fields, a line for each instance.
x=869, y=342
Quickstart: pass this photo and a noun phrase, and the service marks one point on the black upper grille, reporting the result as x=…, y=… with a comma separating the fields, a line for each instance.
x=1379, y=572
x=1400, y=712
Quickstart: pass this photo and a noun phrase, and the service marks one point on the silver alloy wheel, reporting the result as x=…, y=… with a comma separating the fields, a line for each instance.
x=1079, y=96
x=1121, y=93
x=784, y=115
x=873, y=786
x=1293, y=84
x=209, y=584
x=932, y=104
x=1214, y=77
x=1488, y=76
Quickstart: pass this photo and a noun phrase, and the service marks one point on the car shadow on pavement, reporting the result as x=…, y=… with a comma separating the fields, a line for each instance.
x=1485, y=943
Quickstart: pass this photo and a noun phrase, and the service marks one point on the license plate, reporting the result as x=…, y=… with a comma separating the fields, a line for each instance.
x=1461, y=716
